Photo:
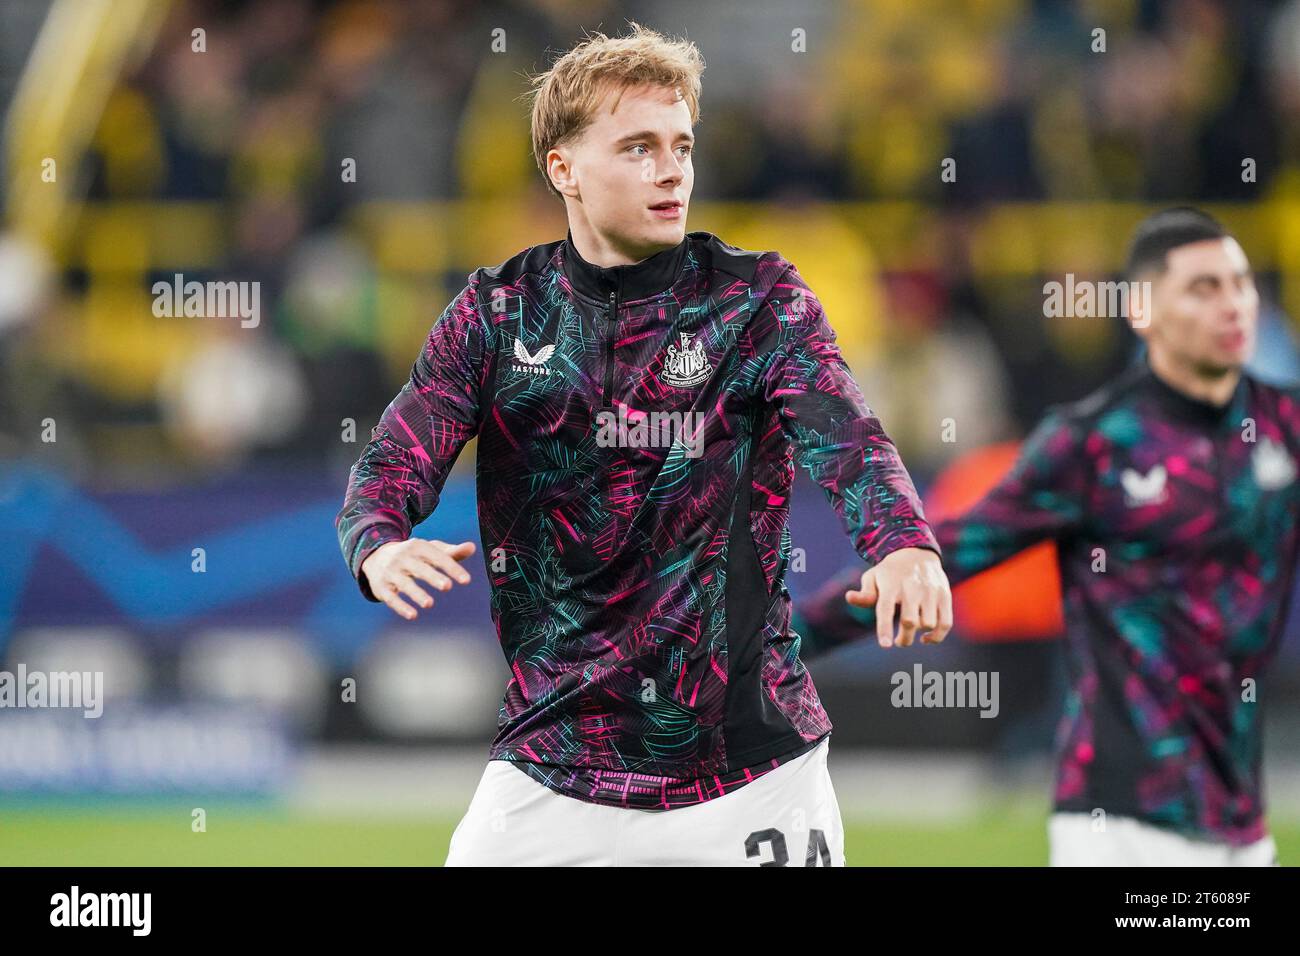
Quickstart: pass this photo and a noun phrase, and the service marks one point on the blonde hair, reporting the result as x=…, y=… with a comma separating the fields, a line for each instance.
x=565, y=97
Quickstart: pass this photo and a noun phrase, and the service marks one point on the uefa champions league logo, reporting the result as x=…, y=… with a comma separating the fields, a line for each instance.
x=687, y=365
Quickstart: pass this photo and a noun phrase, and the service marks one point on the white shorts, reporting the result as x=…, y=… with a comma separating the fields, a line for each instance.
x=1129, y=842
x=787, y=817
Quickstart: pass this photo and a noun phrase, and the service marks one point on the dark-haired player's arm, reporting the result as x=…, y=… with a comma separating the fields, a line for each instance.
x=1041, y=498
x=842, y=444
x=398, y=479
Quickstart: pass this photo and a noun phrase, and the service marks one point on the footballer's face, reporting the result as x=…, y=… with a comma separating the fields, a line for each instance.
x=627, y=180
x=1204, y=308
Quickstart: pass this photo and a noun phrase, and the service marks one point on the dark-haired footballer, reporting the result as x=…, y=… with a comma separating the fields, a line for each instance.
x=1172, y=498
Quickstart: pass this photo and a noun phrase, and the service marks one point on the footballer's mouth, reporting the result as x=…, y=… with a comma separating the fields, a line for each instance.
x=668, y=209
x=1233, y=341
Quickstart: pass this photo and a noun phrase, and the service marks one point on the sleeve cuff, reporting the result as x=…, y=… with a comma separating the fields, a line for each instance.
x=889, y=537
x=372, y=538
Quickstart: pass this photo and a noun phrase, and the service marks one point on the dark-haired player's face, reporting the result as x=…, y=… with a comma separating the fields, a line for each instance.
x=631, y=159
x=1205, y=307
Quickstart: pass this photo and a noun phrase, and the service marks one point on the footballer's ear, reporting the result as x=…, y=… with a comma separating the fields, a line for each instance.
x=559, y=167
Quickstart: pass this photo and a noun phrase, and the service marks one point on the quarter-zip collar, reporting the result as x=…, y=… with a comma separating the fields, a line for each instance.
x=1195, y=411
x=638, y=280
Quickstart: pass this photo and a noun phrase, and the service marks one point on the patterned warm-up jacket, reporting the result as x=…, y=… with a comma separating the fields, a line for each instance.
x=637, y=430
x=1176, y=530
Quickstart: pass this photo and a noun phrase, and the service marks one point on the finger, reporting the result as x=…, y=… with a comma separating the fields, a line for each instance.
x=929, y=612
x=444, y=557
x=458, y=551
x=412, y=590
x=401, y=607
x=423, y=564
x=909, y=616
x=909, y=613
x=452, y=568
x=886, y=604
x=945, y=617
x=425, y=570
x=389, y=595
x=866, y=595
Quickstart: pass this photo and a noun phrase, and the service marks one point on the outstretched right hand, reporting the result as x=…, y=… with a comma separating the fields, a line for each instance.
x=392, y=570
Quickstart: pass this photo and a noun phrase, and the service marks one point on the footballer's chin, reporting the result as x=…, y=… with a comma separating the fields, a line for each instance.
x=1232, y=350
x=1221, y=364
x=665, y=234
x=668, y=237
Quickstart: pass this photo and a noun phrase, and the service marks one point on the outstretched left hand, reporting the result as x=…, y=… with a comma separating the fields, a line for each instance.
x=910, y=581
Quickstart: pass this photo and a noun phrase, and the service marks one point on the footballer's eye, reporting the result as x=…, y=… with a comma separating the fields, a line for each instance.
x=688, y=149
x=638, y=146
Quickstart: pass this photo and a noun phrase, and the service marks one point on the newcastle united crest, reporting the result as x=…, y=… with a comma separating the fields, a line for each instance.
x=686, y=365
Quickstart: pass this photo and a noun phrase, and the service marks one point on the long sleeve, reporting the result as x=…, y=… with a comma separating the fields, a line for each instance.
x=399, y=477
x=836, y=436
x=1042, y=497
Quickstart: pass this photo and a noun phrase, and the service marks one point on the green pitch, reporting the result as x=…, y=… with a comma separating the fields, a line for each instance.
x=242, y=837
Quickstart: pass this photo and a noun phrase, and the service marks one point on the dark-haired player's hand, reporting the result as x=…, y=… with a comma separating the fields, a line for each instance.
x=910, y=581
x=393, y=568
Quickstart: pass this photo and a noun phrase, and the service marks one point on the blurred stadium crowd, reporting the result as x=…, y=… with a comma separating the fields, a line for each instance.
x=228, y=164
